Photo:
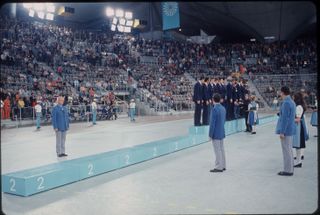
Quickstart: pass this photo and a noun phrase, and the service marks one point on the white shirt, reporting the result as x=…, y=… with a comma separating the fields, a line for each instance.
x=299, y=111
x=94, y=106
x=250, y=106
x=132, y=105
x=38, y=108
x=2, y=104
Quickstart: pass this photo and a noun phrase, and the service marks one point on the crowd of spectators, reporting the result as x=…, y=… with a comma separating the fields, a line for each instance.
x=40, y=61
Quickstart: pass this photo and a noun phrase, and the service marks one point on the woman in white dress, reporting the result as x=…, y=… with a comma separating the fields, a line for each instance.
x=301, y=136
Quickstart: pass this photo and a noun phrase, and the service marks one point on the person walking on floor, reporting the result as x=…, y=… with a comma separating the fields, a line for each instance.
x=2, y=112
x=60, y=123
x=217, y=133
x=301, y=136
x=6, y=108
x=132, y=110
x=38, y=110
x=253, y=114
x=94, y=111
x=286, y=128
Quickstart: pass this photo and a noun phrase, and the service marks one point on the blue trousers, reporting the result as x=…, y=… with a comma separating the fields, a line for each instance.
x=132, y=112
x=38, y=119
x=94, y=117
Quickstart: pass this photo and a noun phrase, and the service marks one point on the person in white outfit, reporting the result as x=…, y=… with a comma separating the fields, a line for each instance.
x=132, y=110
x=302, y=134
x=38, y=110
x=94, y=108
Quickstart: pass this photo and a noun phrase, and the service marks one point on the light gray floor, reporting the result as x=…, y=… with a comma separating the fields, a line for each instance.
x=181, y=182
x=26, y=147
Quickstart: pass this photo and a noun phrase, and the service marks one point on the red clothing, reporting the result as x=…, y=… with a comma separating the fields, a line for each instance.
x=6, y=109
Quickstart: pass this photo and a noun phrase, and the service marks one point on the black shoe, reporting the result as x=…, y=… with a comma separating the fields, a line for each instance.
x=285, y=173
x=224, y=169
x=216, y=170
x=295, y=158
x=302, y=157
x=64, y=155
x=60, y=155
x=298, y=165
x=254, y=132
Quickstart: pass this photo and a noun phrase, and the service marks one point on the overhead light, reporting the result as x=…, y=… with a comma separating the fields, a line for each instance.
x=128, y=15
x=113, y=27
x=109, y=11
x=50, y=7
x=38, y=6
x=120, y=28
x=269, y=38
x=49, y=16
x=122, y=21
x=31, y=13
x=119, y=13
x=129, y=23
x=136, y=23
x=127, y=29
x=41, y=14
x=115, y=20
x=252, y=40
x=180, y=29
x=27, y=5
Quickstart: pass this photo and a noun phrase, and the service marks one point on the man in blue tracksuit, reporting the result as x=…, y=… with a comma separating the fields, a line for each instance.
x=286, y=129
x=60, y=123
x=217, y=133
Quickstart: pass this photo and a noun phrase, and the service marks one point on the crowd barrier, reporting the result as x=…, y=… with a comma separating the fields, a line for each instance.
x=32, y=181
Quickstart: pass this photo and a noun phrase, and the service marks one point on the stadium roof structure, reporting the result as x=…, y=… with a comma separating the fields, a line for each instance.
x=284, y=20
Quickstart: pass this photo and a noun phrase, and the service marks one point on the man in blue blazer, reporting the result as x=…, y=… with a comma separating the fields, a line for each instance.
x=217, y=133
x=286, y=130
x=60, y=123
x=198, y=100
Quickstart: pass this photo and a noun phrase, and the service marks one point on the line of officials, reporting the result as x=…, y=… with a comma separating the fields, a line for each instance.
x=233, y=97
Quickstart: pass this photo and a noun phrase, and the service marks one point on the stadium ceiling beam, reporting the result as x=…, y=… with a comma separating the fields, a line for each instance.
x=207, y=26
x=236, y=20
x=302, y=26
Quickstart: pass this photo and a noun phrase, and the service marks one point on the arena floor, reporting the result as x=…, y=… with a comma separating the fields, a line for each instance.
x=172, y=184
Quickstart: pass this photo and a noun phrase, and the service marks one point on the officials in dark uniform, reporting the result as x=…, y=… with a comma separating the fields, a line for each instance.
x=230, y=99
x=198, y=99
x=222, y=91
x=206, y=102
x=217, y=133
x=236, y=98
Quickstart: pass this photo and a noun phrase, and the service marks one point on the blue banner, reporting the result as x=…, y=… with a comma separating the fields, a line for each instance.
x=170, y=15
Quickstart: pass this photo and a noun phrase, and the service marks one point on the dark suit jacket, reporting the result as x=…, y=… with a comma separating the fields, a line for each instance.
x=197, y=92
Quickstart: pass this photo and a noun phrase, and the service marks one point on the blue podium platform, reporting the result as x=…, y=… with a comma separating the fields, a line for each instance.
x=31, y=181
